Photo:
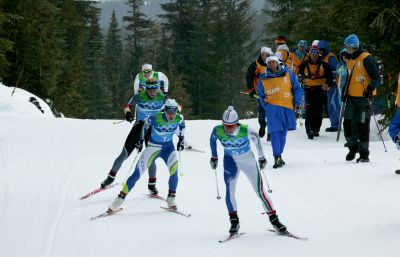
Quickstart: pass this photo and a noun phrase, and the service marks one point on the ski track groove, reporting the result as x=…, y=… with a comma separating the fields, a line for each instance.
x=65, y=193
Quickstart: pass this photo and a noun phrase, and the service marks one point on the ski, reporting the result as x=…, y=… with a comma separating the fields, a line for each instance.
x=105, y=214
x=176, y=211
x=98, y=190
x=289, y=234
x=192, y=149
x=230, y=237
x=157, y=197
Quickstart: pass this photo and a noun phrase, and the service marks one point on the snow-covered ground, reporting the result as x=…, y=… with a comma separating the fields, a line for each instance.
x=344, y=208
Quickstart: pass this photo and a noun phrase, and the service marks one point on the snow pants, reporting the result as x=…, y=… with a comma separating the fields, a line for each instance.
x=278, y=141
x=315, y=99
x=333, y=106
x=246, y=163
x=150, y=154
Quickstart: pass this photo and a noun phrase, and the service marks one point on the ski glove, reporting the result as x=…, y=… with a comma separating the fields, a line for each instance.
x=214, y=162
x=139, y=145
x=368, y=92
x=263, y=162
x=180, y=146
x=129, y=116
x=397, y=141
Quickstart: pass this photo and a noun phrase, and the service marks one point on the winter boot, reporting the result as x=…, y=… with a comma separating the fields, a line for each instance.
x=397, y=172
x=316, y=134
x=277, y=224
x=353, y=150
x=363, y=158
x=234, y=223
x=152, y=186
x=331, y=129
x=110, y=178
x=171, y=201
x=261, y=132
x=310, y=134
x=278, y=162
x=117, y=202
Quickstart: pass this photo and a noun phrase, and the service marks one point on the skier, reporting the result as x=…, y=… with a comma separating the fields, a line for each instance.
x=280, y=93
x=163, y=126
x=253, y=71
x=147, y=72
x=332, y=92
x=235, y=139
x=317, y=77
x=148, y=102
x=394, y=128
x=364, y=79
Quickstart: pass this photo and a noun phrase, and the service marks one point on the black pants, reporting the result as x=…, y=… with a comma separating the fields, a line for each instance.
x=315, y=98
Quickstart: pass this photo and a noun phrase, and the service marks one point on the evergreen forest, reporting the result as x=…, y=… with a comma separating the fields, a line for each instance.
x=56, y=49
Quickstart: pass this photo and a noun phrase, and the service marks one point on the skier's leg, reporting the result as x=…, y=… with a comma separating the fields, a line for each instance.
x=146, y=159
x=249, y=166
x=276, y=144
x=231, y=174
x=170, y=157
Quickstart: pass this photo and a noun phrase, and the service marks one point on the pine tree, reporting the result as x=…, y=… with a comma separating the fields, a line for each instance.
x=95, y=89
x=114, y=68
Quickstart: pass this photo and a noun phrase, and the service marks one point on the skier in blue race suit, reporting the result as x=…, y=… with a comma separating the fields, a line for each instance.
x=163, y=126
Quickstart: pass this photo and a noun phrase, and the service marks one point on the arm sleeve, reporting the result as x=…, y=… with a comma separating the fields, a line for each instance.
x=253, y=136
x=297, y=91
x=213, y=143
x=372, y=69
x=261, y=92
x=181, y=129
x=162, y=77
x=394, y=127
x=136, y=84
x=333, y=63
x=251, y=72
x=327, y=73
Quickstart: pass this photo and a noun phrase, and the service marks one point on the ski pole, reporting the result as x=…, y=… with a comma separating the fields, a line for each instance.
x=376, y=123
x=129, y=173
x=16, y=85
x=216, y=182
x=117, y=122
x=180, y=163
x=266, y=181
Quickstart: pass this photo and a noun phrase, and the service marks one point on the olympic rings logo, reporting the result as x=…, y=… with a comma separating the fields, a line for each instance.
x=165, y=127
x=150, y=105
x=234, y=142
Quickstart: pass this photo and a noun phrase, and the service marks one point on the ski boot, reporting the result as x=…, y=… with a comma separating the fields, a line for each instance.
x=277, y=224
x=397, y=172
x=117, y=203
x=331, y=129
x=171, y=201
x=235, y=225
x=110, y=178
x=363, y=158
x=152, y=186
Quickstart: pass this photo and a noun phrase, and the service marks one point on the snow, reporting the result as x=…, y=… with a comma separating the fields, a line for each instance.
x=344, y=208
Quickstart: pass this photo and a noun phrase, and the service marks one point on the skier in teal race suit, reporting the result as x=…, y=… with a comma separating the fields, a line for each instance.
x=163, y=126
x=235, y=139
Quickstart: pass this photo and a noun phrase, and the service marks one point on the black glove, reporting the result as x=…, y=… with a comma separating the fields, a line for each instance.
x=368, y=92
x=263, y=162
x=180, y=146
x=129, y=116
x=139, y=145
x=214, y=162
x=252, y=93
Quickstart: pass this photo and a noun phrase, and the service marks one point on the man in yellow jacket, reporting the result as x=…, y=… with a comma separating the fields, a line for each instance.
x=363, y=81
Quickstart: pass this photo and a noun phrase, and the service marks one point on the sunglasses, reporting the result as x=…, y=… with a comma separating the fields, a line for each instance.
x=147, y=71
x=230, y=126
